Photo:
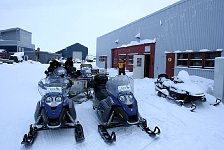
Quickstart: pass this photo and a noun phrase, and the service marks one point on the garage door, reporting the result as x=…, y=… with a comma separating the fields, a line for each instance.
x=77, y=55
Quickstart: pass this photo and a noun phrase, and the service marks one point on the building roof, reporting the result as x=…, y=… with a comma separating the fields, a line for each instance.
x=12, y=29
x=2, y=51
x=134, y=43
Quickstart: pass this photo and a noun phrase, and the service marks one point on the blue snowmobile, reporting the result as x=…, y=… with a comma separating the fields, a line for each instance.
x=54, y=110
x=116, y=106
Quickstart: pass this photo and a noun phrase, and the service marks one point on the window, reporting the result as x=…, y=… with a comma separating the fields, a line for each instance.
x=182, y=59
x=147, y=48
x=130, y=59
x=102, y=58
x=139, y=62
x=197, y=59
x=122, y=56
x=210, y=59
x=115, y=60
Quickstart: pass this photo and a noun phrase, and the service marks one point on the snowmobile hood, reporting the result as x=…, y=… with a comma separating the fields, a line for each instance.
x=190, y=88
x=186, y=85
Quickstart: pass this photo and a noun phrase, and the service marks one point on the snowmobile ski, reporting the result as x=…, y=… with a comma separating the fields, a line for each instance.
x=105, y=135
x=193, y=107
x=29, y=138
x=143, y=126
x=217, y=102
x=79, y=134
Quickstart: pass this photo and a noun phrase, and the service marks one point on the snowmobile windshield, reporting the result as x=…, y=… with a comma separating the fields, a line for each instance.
x=120, y=84
x=60, y=71
x=54, y=84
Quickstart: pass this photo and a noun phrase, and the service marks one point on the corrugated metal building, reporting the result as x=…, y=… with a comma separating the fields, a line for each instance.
x=17, y=40
x=188, y=35
x=76, y=51
x=45, y=57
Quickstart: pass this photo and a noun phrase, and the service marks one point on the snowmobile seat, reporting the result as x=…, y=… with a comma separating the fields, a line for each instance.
x=162, y=77
x=99, y=86
x=100, y=79
x=100, y=92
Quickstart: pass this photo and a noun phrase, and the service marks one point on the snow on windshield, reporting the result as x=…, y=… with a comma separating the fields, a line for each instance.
x=184, y=76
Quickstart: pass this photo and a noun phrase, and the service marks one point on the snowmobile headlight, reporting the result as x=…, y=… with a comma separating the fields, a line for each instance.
x=122, y=99
x=49, y=99
x=129, y=99
x=58, y=99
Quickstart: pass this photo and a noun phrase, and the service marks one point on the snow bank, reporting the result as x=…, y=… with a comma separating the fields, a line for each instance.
x=180, y=128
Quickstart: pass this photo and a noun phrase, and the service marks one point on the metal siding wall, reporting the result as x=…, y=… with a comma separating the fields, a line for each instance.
x=10, y=35
x=186, y=25
x=26, y=40
x=206, y=73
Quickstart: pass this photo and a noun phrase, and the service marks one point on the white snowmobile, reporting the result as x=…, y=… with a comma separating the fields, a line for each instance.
x=180, y=89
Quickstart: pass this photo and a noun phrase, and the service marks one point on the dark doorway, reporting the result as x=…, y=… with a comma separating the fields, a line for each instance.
x=147, y=66
x=170, y=59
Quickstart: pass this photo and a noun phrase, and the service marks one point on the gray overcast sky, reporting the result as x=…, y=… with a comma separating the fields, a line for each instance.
x=56, y=24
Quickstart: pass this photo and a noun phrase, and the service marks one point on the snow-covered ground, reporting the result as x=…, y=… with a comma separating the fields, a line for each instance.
x=180, y=128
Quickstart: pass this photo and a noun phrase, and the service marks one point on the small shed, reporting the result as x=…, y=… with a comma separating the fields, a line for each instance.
x=146, y=48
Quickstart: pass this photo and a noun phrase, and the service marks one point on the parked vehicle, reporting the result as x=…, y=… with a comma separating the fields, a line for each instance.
x=116, y=106
x=181, y=90
x=54, y=110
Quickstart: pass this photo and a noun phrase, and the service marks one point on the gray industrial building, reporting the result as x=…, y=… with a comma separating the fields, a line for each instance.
x=76, y=51
x=17, y=40
x=187, y=35
x=45, y=57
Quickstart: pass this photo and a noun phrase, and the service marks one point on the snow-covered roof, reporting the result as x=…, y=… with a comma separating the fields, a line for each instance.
x=204, y=50
x=201, y=50
x=188, y=50
x=2, y=50
x=133, y=43
x=178, y=51
x=167, y=52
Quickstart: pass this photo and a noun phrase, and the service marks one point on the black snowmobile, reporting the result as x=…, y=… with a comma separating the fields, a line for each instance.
x=181, y=90
x=116, y=106
x=54, y=110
